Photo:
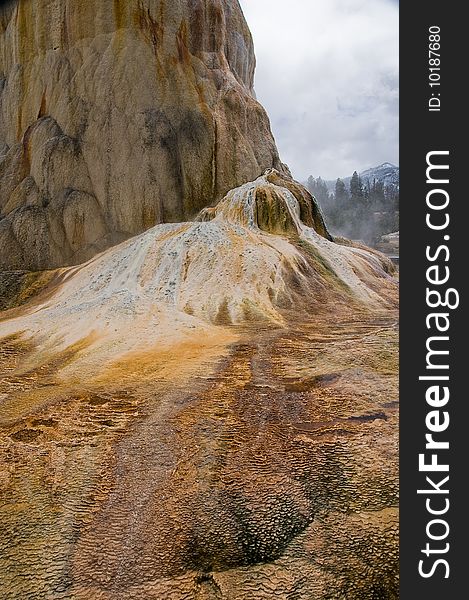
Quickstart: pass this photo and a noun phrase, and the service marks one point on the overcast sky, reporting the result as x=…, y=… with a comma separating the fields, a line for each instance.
x=327, y=73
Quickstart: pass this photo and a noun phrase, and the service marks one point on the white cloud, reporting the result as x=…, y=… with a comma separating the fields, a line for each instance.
x=327, y=73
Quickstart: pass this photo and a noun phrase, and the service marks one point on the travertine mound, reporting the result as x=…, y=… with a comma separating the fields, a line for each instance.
x=262, y=250
x=118, y=115
x=205, y=411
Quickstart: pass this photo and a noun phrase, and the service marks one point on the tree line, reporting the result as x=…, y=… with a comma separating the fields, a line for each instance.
x=363, y=210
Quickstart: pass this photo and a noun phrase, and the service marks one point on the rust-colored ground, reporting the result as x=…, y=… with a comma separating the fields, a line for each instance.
x=262, y=469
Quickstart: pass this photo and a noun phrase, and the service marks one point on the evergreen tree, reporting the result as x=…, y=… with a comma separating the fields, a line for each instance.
x=367, y=195
x=378, y=195
x=341, y=195
x=356, y=191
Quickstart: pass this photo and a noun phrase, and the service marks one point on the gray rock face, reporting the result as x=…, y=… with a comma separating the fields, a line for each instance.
x=117, y=115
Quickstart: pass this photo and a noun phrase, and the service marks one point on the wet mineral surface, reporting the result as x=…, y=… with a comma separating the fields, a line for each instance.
x=268, y=472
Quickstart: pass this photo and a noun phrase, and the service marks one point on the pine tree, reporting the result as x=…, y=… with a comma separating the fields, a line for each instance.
x=341, y=195
x=356, y=188
x=367, y=196
x=379, y=198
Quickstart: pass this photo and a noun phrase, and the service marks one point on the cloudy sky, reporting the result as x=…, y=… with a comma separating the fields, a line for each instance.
x=327, y=73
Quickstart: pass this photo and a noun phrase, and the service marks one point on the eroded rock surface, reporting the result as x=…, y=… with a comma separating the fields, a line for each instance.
x=117, y=115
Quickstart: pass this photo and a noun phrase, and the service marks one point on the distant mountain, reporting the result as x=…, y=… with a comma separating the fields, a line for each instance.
x=387, y=173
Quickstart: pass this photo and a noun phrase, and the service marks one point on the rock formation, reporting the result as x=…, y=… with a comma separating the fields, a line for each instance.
x=207, y=410
x=262, y=249
x=118, y=115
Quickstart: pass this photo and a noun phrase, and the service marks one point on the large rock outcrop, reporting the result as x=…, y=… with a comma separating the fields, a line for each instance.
x=118, y=115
